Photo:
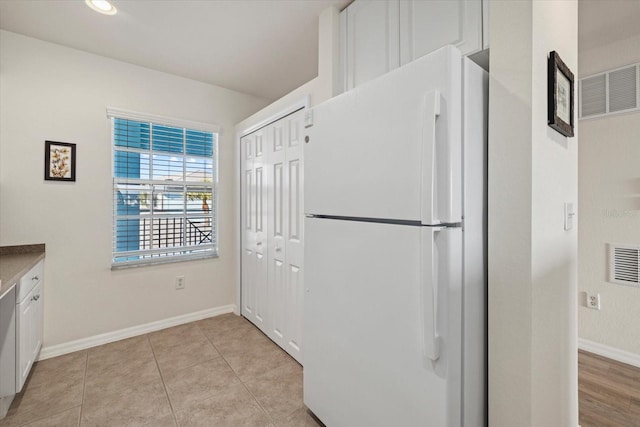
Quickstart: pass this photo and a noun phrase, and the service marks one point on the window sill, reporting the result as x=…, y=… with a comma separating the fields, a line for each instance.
x=163, y=260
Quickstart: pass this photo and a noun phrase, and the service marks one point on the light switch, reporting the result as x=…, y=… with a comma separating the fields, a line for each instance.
x=308, y=118
x=569, y=215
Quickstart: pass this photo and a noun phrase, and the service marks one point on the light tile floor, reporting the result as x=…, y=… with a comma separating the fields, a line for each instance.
x=220, y=371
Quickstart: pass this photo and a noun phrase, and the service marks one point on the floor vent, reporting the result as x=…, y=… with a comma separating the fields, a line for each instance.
x=612, y=92
x=624, y=265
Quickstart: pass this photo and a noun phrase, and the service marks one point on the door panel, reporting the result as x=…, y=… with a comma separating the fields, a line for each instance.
x=295, y=294
x=277, y=254
x=294, y=236
x=248, y=237
x=260, y=163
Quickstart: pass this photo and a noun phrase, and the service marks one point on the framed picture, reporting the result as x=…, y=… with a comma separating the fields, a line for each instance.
x=59, y=161
x=560, y=95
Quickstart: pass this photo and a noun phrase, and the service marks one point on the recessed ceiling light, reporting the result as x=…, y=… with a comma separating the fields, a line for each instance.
x=102, y=6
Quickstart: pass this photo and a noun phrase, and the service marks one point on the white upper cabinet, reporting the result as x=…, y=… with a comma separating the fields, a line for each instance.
x=372, y=40
x=426, y=26
x=380, y=35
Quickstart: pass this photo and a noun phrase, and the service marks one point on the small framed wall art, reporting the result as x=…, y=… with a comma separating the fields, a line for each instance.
x=559, y=95
x=59, y=161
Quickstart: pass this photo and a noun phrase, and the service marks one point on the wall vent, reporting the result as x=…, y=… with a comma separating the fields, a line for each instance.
x=612, y=92
x=624, y=264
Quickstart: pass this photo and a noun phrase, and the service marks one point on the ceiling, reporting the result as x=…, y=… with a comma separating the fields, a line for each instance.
x=260, y=47
x=264, y=48
x=601, y=22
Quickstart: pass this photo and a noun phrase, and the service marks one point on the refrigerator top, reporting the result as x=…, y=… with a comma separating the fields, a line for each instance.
x=391, y=148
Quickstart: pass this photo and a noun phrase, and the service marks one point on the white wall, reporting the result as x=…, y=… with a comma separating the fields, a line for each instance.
x=50, y=92
x=319, y=89
x=532, y=260
x=609, y=210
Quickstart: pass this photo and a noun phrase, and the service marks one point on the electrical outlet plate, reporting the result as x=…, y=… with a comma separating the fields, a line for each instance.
x=180, y=282
x=593, y=301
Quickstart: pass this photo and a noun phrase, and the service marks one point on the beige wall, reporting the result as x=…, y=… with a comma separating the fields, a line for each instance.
x=532, y=259
x=609, y=210
x=50, y=92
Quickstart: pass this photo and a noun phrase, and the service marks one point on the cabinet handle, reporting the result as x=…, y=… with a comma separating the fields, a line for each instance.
x=259, y=243
x=35, y=298
x=35, y=278
x=278, y=249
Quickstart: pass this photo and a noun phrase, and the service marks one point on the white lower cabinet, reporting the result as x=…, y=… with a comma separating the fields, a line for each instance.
x=7, y=350
x=29, y=323
x=272, y=231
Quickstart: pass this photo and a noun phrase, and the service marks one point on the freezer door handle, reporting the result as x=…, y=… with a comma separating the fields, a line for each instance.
x=429, y=171
x=429, y=306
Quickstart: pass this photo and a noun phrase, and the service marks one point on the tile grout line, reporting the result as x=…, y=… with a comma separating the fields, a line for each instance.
x=84, y=386
x=166, y=392
x=240, y=379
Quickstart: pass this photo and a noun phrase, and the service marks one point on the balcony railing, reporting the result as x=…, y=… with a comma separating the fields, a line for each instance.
x=169, y=232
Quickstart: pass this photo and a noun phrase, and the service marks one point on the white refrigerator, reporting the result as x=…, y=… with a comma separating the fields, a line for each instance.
x=395, y=250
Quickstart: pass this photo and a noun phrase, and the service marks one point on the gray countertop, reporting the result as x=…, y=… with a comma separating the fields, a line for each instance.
x=15, y=261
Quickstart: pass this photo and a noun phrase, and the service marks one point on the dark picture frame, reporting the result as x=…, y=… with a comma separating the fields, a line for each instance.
x=59, y=161
x=560, y=95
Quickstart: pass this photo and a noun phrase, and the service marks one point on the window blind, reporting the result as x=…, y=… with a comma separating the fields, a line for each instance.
x=164, y=192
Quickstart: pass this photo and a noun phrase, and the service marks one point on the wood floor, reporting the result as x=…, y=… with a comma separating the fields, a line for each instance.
x=609, y=392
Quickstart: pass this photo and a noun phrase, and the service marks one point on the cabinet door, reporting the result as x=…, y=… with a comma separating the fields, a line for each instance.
x=37, y=318
x=426, y=26
x=372, y=38
x=7, y=349
x=26, y=334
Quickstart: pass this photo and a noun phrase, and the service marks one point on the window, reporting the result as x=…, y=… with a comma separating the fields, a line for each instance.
x=164, y=189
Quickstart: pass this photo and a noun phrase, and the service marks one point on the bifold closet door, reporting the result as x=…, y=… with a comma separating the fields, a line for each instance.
x=254, y=224
x=272, y=233
x=285, y=254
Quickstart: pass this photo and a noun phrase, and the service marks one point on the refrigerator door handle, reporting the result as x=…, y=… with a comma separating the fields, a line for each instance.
x=429, y=306
x=429, y=171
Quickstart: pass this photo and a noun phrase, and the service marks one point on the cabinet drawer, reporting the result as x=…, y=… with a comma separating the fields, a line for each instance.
x=29, y=280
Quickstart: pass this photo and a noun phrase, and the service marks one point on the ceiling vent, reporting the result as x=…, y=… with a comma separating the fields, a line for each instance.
x=611, y=92
x=623, y=265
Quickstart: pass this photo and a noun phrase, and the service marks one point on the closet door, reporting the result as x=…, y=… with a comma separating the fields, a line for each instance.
x=254, y=229
x=293, y=244
x=285, y=234
x=277, y=224
x=272, y=233
x=248, y=233
x=260, y=164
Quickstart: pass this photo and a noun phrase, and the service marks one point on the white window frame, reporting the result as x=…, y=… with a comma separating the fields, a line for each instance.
x=112, y=114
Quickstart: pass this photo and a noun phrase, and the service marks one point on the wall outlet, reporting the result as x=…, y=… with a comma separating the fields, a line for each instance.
x=593, y=301
x=180, y=282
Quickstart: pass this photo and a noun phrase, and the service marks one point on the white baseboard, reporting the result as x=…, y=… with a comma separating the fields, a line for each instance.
x=609, y=352
x=84, y=343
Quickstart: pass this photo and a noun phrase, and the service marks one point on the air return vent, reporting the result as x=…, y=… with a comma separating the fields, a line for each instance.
x=624, y=263
x=611, y=92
